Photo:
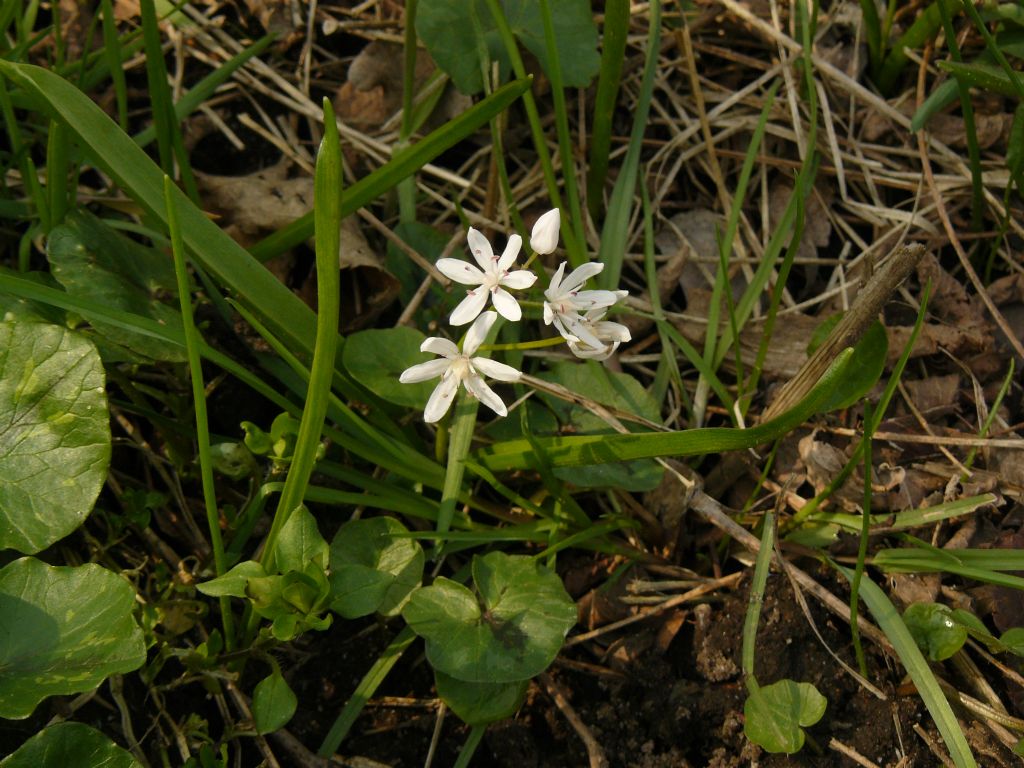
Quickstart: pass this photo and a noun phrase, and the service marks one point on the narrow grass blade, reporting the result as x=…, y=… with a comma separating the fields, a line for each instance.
x=57, y=167
x=599, y=449
x=615, y=233
x=613, y=52
x=890, y=622
x=367, y=687
x=920, y=32
x=327, y=210
x=115, y=58
x=401, y=165
x=195, y=367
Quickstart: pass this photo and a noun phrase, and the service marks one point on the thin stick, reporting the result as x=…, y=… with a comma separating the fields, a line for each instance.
x=594, y=750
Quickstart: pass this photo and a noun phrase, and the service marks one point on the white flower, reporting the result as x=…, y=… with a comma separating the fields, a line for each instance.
x=490, y=277
x=565, y=300
x=544, y=238
x=454, y=366
x=608, y=333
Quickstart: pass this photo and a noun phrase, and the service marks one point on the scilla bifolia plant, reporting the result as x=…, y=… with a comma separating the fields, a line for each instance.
x=578, y=315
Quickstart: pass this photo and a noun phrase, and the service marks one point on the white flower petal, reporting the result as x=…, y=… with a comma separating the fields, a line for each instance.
x=560, y=327
x=478, y=332
x=469, y=307
x=507, y=306
x=511, y=252
x=424, y=371
x=587, y=300
x=549, y=314
x=554, y=287
x=518, y=280
x=439, y=346
x=441, y=399
x=581, y=274
x=495, y=370
x=544, y=237
x=480, y=248
x=486, y=395
x=460, y=271
x=582, y=331
x=609, y=331
x=589, y=353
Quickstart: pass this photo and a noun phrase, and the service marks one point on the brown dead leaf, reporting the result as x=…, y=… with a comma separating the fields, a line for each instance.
x=934, y=392
x=991, y=128
x=279, y=18
x=915, y=587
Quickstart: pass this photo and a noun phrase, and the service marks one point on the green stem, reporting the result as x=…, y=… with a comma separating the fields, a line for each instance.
x=862, y=548
x=536, y=344
x=757, y=586
x=327, y=217
x=469, y=748
x=459, y=439
x=195, y=367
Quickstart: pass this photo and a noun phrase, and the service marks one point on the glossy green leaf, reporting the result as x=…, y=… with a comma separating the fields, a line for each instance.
x=376, y=358
x=934, y=629
x=234, y=582
x=95, y=262
x=62, y=630
x=69, y=745
x=617, y=390
x=54, y=433
x=373, y=569
x=480, y=703
x=273, y=703
x=444, y=28
x=513, y=632
x=301, y=543
x=775, y=715
x=866, y=365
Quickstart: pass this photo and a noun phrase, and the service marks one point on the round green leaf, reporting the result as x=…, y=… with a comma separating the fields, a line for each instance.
x=62, y=630
x=480, y=703
x=54, y=433
x=773, y=715
x=273, y=704
x=70, y=745
x=934, y=629
x=512, y=633
x=376, y=358
x=93, y=261
x=373, y=570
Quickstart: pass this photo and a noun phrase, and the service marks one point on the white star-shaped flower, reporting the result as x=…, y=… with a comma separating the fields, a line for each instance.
x=492, y=277
x=565, y=300
x=610, y=335
x=454, y=366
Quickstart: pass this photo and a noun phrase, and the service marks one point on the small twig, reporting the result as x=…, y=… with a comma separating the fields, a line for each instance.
x=935, y=748
x=594, y=750
x=435, y=738
x=851, y=753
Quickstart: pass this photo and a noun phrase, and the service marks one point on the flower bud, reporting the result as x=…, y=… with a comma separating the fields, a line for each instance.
x=544, y=238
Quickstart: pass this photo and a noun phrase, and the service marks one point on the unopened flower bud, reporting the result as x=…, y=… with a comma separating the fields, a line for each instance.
x=544, y=238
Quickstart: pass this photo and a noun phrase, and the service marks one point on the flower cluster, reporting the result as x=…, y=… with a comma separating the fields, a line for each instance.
x=578, y=315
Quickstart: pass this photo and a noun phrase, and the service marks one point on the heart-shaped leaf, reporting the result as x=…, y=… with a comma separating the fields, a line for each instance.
x=377, y=357
x=513, y=632
x=273, y=703
x=373, y=569
x=776, y=715
x=300, y=542
x=54, y=434
x=69, y=745
x=448, y=28
x=62, y=630
x=480, y=703
x=937, y=633
x=96, y=262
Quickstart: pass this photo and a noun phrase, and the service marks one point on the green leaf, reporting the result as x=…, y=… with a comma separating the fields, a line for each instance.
x=1013, y=640
x=934, y=629
x=234, y=583
x=376, y=358
x=866, y=365
x=54, y=433
x=95, y=262
x=273, y=704
x=776, y=715
x=70, y=745
x=442, y=25
x=62, y=630
x=373, y=569
x=617, y=390
x=301, y=543
x=988, y=77
x=512, y=633
x=480, y=703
